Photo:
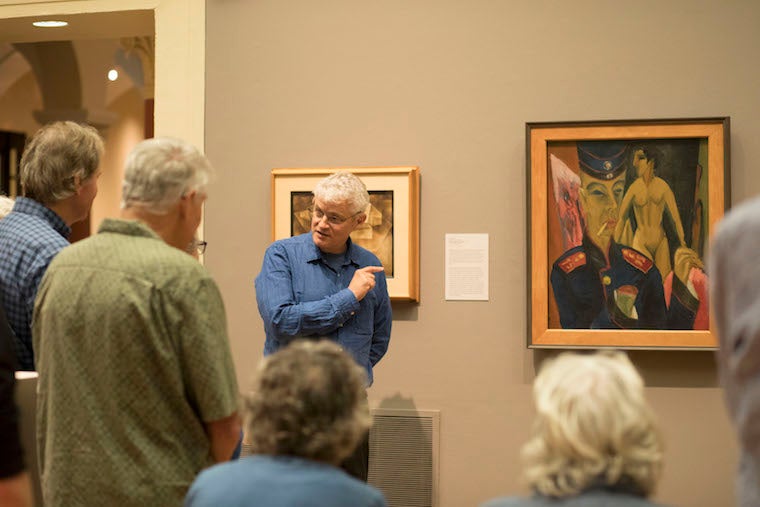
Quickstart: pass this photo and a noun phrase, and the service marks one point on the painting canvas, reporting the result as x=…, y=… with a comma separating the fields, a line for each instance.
x=627, y=208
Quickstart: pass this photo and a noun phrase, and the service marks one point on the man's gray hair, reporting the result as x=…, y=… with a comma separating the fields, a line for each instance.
x=160, y=171
x=343, y=186
x=57, y=154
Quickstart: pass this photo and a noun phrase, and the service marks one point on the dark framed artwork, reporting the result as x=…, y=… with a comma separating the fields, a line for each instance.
x=391, y=230
x=620, y=213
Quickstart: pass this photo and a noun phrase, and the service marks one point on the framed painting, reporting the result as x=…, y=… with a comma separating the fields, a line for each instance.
x=620, y=213
x=391, y=230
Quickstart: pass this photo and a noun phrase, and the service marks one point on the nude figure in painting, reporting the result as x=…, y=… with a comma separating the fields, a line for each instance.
x=650, y=197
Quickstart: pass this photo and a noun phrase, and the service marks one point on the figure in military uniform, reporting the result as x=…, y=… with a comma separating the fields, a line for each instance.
x=601, y=284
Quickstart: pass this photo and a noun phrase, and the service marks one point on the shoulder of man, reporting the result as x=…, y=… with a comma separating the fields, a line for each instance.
x=571, y=260
x=636, y=259
x=301, y=244
x=30, y=231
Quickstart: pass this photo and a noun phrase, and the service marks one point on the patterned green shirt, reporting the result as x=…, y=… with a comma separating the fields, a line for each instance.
x=133, y=358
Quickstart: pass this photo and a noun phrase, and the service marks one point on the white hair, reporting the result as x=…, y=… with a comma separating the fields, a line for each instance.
x=160, y=171
x=343, y=186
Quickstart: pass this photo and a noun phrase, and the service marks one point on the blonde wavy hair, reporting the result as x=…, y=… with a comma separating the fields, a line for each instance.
x=308, y=400
x=593, y=427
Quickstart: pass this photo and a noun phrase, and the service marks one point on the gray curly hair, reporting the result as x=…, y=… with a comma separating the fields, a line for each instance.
x=308, y=400
x=343, y=186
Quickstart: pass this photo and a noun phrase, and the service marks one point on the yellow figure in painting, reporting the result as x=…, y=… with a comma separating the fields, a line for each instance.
x=600, y=203
x=651, y=197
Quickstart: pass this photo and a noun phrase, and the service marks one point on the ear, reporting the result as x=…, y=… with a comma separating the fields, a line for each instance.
x=186, y=201
x=361, y=219
x=78, y=183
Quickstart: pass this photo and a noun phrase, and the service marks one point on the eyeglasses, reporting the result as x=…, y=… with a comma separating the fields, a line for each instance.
x=197, y=246
x=331, y=219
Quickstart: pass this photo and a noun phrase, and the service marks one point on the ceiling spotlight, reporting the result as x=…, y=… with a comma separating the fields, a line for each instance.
x=50, y=24
x=113, y=75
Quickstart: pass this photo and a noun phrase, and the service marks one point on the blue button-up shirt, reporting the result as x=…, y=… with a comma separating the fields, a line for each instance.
x=30, y=236
x=301, y=296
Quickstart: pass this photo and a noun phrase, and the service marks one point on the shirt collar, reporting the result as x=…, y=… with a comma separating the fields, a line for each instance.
x=31, y=207
x=127, y=227
x=316, y=253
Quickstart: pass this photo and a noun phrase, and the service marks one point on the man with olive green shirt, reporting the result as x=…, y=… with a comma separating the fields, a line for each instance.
x=137, y=390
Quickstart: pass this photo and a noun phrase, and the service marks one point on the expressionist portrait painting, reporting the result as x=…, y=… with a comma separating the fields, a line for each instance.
x=375, y=234
x=626, y=234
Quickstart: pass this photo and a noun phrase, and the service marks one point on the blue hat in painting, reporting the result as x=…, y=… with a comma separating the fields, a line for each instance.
x=602, y=159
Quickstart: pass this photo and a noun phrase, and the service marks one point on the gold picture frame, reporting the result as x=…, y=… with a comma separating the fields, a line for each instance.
x=392, y=228
x=562, y=222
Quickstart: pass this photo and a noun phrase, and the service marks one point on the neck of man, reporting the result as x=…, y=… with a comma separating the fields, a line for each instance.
x=602, y=243
x=66, y=209
x=167, y=226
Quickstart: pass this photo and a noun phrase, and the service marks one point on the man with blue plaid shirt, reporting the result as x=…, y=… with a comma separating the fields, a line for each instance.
x=59, y=179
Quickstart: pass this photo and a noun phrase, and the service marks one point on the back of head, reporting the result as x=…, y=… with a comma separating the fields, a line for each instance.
x=308, y=401
x=160, y=171
x=58, y=155
x=593, y=427
x=343, y=186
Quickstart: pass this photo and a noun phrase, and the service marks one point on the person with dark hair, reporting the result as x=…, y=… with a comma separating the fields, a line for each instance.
x=59, y=180
x=15, y=485
x=305, y=413
x=137, y=389
x=595, y=439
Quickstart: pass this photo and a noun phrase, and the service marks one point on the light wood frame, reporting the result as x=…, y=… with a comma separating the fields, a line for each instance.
x=404, y=182
x=539, y=138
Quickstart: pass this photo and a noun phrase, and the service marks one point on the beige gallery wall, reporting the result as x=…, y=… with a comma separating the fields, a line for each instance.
x=448, y=85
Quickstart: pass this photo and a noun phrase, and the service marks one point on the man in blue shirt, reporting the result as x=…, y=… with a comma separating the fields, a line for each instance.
x=59, y=180
x=321, y=285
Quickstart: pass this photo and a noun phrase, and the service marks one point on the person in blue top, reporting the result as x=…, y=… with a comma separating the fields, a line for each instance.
x=59, y=174
x=305, y=413
x=320, y=285
x=602, y=284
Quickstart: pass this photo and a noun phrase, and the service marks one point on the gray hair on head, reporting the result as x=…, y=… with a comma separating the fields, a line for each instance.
x=308, y=400
x=343, y=186
x=58, y=154
x=160, y=171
